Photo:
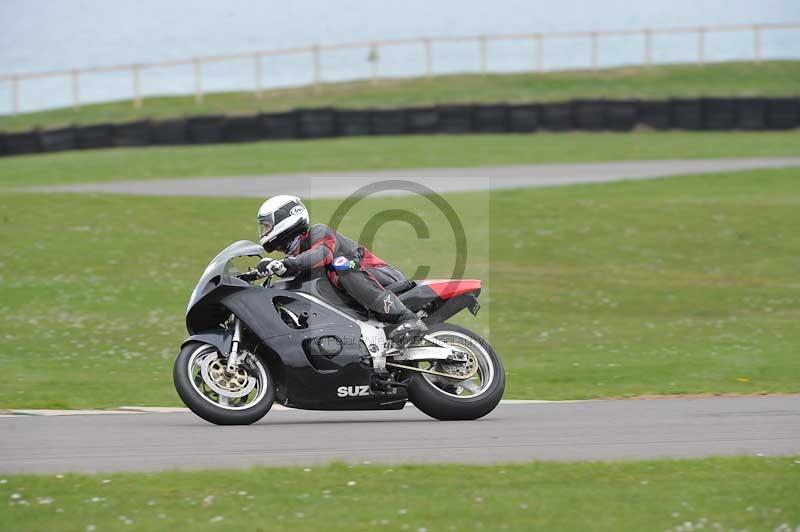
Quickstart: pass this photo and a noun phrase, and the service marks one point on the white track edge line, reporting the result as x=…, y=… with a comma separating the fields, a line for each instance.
x=175, y=410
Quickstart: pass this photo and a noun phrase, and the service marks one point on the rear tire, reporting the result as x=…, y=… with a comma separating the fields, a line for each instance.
x=203, y=406
x=444, y=406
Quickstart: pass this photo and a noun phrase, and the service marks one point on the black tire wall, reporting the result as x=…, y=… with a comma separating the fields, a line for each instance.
x=523, y=118
x=783, y=113
x=353, y=123
x=95, y=136
x=22, y=143
x=170, y=132
x=557, y=116
x=691, y=114
x=58, y=139
x=206, y=129
x=131, y=134
x=656, y=114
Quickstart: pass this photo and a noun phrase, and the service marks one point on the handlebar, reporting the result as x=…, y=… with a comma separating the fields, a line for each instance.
x=251, y=276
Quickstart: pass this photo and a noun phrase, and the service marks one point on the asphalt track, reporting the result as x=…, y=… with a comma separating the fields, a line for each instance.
x=589, y=430
x=338, y=185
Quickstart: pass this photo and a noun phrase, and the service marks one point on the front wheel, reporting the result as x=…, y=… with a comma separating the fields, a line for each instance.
x=447, y=398
x=201, y=382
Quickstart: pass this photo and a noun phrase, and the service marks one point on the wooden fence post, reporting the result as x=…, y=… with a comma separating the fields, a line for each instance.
x=757, y=43
x=258, y=74
x=137, y=92
x=701, y=46
x=484, y=53
x=76, y=90
x=539, y=52
x=428, y=58
x=198, y=81
x=315, y=50
x=374, y=58
x=15, y=94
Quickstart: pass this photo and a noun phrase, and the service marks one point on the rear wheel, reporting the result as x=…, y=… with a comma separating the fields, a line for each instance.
x=239, y=399
x=471, y=390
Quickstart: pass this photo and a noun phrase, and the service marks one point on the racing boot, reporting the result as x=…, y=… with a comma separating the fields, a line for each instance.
x=385, y=304
x=410, y=327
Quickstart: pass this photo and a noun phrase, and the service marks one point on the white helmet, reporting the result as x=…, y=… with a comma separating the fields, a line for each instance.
x=281, y=219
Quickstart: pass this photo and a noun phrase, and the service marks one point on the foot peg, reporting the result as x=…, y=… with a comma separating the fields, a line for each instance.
x=382, y=383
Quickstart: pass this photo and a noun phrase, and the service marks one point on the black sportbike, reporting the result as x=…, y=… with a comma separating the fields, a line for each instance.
x=305, y=344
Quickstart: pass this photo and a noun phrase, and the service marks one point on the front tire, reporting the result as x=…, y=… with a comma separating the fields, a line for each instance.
x=445, y=399
x=213, y=406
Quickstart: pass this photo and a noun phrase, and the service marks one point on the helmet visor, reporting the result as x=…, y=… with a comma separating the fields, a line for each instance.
x=265, y=225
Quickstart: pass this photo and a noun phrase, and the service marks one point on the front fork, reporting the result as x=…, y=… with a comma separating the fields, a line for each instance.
x=233, y=358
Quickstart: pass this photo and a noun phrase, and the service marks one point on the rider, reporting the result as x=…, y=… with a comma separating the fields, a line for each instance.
x=283, y=225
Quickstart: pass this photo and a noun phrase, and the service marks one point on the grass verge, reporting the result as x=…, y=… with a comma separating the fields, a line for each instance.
x=679, y=285
x=775, y=78
x=715, y=494
x=382, y=153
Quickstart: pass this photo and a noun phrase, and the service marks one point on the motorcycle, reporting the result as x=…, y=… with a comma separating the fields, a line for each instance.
x=303, y=343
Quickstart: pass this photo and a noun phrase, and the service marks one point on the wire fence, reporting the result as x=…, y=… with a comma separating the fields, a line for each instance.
x=423, y=49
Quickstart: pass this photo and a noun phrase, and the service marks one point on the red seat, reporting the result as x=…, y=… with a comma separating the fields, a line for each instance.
x=448, y=288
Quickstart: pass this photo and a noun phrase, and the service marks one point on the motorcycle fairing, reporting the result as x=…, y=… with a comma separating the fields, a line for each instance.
x=449, y=288
x=220, y=338
x=442, y=299
x=300, y=383
x=453, y=306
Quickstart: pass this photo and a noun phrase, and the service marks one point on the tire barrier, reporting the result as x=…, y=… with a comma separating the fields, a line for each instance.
x=387, y=122
x=422, y=120
x=490, y=119
x=21, y=143
x=655, y=114
x=589, y=114
x=523, y=118
x=687, y=114
x=316, y=123
x=95, y=136
x=751, y=114
x=170, y=132
x=206, y=129
x=783, y=113
x=557, y=116
x=696, y=114
x=132, y=134
x=351, y=123
x=58, y=139
x=719, y=114
x=280, y=125
x=242, y=129
x=455, y=119
x=621, y=115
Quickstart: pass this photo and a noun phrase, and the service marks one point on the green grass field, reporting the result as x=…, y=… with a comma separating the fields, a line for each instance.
x=716, y=494
x=778, y=78
x=680, y=285
x=379, y=153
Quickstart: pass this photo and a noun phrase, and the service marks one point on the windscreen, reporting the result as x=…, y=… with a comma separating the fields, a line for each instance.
x=219, y=265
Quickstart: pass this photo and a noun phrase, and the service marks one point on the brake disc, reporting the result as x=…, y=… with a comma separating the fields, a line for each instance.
x=240, y=384
x=463, y=370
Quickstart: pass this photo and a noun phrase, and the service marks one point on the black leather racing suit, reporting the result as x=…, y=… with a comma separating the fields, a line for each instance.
x=352, y=268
